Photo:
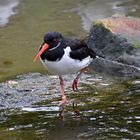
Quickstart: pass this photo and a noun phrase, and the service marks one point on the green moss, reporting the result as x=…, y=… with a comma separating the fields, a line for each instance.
x=97, y=23
x=136, y=45
x=102, y=25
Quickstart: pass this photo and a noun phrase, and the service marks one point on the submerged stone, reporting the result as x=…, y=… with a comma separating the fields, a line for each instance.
x=7, y=62
x=116, y=39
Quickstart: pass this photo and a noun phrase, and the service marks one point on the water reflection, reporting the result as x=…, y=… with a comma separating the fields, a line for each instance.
x=74, y=113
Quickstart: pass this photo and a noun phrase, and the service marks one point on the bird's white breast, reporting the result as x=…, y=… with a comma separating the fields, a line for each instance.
x=66, y=64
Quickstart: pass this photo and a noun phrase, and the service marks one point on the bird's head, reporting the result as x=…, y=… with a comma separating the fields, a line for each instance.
x=51, y=40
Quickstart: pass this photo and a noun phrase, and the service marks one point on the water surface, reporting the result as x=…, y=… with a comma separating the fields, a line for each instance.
x=102, y=108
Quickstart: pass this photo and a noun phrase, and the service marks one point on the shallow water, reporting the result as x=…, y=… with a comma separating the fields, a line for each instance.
x=102, y=108
x=21, y=37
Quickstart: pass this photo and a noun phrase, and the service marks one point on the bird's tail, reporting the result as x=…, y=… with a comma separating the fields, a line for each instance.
x=93, y=54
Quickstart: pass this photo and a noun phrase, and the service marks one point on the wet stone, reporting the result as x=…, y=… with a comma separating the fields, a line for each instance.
x=34, y=87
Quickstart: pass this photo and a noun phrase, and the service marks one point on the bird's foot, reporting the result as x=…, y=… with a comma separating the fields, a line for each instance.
x=75, y=84
x=64, y=101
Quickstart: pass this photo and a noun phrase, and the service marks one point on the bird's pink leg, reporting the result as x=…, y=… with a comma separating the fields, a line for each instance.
x=64, y=99
x=75, y=81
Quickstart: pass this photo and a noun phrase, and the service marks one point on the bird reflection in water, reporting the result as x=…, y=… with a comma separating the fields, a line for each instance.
x=75, y=112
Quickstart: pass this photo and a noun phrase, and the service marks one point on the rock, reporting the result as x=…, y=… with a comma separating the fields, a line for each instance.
x=116, y=39
x=32, y=88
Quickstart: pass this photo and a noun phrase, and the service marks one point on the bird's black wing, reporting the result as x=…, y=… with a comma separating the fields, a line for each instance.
x=80, y=50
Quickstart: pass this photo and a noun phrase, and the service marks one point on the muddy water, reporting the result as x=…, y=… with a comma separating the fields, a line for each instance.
x=102, y=108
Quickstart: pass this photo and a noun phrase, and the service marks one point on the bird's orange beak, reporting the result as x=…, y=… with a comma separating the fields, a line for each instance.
x=44, y=47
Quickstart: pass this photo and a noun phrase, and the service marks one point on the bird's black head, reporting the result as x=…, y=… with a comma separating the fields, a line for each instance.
x=52, y=39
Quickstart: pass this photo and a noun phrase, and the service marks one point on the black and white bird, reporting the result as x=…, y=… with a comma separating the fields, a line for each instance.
x=60, y=56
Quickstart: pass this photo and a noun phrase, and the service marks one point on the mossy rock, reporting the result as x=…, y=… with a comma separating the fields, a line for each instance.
x=117, y=40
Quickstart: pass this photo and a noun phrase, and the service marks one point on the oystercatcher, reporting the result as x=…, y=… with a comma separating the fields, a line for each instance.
x=60, y=56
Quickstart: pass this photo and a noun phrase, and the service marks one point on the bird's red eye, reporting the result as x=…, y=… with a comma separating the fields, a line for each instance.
x=54, y=40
